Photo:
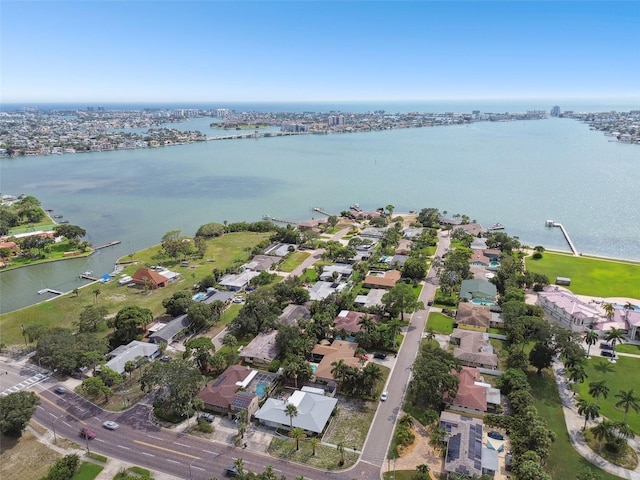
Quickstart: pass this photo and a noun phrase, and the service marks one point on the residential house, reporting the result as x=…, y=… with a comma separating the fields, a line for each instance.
x=372, y=299
x=474, y=396
x=386, y=280
x=373, y=232
x=340, y=271
x=168, y=333
x=321, y=290
x=476, y=316
x=313, y=412
x=262, y=263
x=280, y=249
x=479, y=244
x=478, y=289
x=227, y=394
x=149, y=278
x=404, y=247
x=325, y=355
x=261, y=350
x=624, y=319
x=349, y=321
x=465, y=452
x=12, y=246
x=474, y=349
x=117, y=358
x=239, y=281
x=471, y=228
x=412, y=232
x=397, y=261
x=292, y=313
x=563, y=307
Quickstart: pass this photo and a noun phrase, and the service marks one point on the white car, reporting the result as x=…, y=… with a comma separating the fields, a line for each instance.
x=384, y=396
x=110, y=425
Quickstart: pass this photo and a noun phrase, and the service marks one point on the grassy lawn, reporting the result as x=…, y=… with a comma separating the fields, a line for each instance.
x=55, y=252
x=590, y=276
x=563, y=461
x=293, y=260
x=326, y=458
x=627, y=458
x=624, y=348
x=64, y=310
x=87, y=471
x=622, y=375
x=25, y=457
x=440, y=323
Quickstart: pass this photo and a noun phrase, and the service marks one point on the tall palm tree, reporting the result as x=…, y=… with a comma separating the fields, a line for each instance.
x=608, y=310
x=596, y=389
x=615, y=335
x=603, y=431
x=422, y=470
x=291, y=411
x=590, y=338
x=577, y=375
x=297, y=434
x=371, y=374
x=628, y=401
x=589, y=410
x=339, y=370
x=314, y=442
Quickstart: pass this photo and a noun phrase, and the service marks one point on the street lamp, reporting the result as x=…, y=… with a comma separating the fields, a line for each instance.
x=53, y=425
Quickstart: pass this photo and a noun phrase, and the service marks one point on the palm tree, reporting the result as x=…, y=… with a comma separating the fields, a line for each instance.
x=297, y=434
x=129, y=367
x=589, y=410
x=590, y=338
x=340, y=448
x=339, y=370
x=96, y=294
x=628, y=401
x=614, y=336
x=422, y=470
x=291, y=411
x=239, y=464
x=371, y=374
x=603, y=431
x=577, y=375
x=314, y=442
x=598, y=388
x=608, y=310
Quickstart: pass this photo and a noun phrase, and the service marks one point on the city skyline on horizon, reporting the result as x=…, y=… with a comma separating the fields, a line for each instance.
x=361, y=51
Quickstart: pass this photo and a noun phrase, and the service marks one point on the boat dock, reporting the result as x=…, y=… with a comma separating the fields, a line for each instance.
x=278, y=220
x=321, y=210
x=551, y=223
x=110, y=244
x=49, y=290
x=88, y=276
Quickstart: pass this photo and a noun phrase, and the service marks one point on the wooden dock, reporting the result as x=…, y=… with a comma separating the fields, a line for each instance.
x=49, y=290
x=110, y=244
x=574, y=250
x=88, y=276
x=321, y=210
x=278, y=220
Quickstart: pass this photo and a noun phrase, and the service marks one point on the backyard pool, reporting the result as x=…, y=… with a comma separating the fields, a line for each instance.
x=261, y=389
x=198, y=296
x=477, y=301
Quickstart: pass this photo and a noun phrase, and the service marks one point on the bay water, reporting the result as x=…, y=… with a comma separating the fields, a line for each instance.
x=517, y=173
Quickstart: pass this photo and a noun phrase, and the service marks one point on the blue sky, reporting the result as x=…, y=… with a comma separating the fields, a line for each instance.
x=128, y=51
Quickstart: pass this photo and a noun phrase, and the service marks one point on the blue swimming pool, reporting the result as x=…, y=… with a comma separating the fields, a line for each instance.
x=261, y=389
x=198, y=296
x=476, y=301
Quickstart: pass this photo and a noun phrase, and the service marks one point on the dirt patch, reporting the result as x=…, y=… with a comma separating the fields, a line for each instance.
x=420, y=452
x=25, y=458
x=351, y=424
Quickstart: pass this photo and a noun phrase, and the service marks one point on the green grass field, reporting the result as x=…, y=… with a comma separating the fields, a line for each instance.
x=590, y=276
x=64, y=310
x=563, y=462
x=87, y=471
x=293, y=260
x=440, y=323
x=622, y=375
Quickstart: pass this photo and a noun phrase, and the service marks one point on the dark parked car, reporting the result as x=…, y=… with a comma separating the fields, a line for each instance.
x=207, y=416
x=608, y=353
x=495, y=435
x=381, y=355
x=606, y=346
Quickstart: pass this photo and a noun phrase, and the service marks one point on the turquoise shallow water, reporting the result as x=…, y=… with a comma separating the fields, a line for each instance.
x=517, y=173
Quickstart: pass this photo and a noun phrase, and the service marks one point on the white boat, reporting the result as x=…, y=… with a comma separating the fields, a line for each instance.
x=496, y=226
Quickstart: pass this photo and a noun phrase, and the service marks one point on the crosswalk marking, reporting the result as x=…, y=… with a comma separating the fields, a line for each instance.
x=37, y=378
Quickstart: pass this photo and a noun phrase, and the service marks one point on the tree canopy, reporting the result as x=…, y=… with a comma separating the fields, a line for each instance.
x=16, y=410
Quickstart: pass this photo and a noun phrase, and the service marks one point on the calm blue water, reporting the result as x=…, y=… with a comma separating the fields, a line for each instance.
x=517, y=173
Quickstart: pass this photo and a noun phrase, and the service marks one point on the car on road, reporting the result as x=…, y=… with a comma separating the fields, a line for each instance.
x=232, y=471
x=60, y=389
x=110, y=425
x=380, y=355
x=495, y=435
x=209, y=417
x=239, y=299
x=606, y=346
x=86, y=433
x=608, y=353
x=429, y=303
x=384, y=396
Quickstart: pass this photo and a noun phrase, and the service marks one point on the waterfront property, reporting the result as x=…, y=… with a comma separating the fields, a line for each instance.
x=563, y=307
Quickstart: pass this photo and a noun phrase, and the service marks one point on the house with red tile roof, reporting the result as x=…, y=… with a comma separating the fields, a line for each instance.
x=474, y=395
x=325, y=355
x=385, y=280
x=349, y=320
x=225, y=395
x=149, y=278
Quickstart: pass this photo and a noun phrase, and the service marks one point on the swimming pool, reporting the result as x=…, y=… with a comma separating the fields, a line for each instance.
x=314, y=367
x=494, y=264
x=261, y=389
x=198, y=296
x=476, y=301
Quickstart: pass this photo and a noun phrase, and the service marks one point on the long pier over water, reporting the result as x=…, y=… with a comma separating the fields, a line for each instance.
x=574, y=250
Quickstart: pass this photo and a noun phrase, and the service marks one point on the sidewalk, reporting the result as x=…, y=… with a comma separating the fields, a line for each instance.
x=575, y=423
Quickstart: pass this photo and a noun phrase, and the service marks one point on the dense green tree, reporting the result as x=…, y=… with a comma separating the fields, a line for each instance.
x=70, y=232
x=175, y=246
x=16, y=410
x=415, y=269
x=210, y=230
x=541, y=356
x=110, y=377
x=201, y=350
x=432, y=377
x=64, y=468
x=129, y=324
x=65, y=351
x=202, y=316
x=93, y=387
x=91, y=318
x=259, y=314
x=177, y=383
x=400, y=299
x=178, y=303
